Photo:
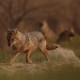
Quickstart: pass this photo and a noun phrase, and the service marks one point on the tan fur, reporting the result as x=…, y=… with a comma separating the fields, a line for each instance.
x=48, y=33
x=27, y=43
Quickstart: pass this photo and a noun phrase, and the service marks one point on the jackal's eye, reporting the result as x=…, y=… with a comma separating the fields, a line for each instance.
x=12, y=39
x=8, y=38
x=12, y=33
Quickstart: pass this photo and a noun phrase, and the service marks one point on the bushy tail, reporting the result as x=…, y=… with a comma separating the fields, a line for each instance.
x=51, y=46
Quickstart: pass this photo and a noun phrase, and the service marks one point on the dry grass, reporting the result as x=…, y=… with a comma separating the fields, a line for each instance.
x=65, y=65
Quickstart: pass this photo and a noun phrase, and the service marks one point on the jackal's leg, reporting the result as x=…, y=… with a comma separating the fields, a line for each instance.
x=44, y=51
x=42, y=47
x=13, y=57
x=28, y=55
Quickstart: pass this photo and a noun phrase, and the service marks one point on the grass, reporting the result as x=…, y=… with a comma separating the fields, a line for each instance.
x=5, y=56
x=67, y=71
x=74, y=45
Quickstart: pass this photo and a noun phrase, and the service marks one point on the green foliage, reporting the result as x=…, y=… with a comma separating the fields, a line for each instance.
x=4, y=56
x=67, y=71
x=74, y=44
x=37, y=56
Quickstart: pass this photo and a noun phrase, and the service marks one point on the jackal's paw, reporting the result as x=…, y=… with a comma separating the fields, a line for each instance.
x=9, y=63
x=48, y=60
x=29, y=62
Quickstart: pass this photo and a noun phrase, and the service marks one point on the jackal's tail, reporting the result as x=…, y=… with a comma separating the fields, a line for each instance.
x=51, y=46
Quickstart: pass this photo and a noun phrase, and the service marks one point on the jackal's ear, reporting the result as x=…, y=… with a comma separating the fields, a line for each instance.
x=15, y=30
x=8, y=30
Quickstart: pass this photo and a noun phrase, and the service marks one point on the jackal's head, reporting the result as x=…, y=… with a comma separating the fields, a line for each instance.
x=12, y=37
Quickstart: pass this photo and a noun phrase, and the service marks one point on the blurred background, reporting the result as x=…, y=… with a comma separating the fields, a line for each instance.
x=59, y=21
x=56, y=19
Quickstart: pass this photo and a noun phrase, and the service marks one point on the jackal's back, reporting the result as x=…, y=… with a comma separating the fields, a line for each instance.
x=36, y=35
x=35, y=38
x=24, y=41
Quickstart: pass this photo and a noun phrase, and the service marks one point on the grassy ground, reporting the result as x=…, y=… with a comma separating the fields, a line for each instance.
x=22, y=72
x=41, y=70
x=74, y=44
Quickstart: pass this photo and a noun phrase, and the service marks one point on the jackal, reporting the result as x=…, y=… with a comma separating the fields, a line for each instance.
x=27, y=43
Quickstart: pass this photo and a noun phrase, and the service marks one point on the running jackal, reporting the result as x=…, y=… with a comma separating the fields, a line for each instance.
x=27, y=43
